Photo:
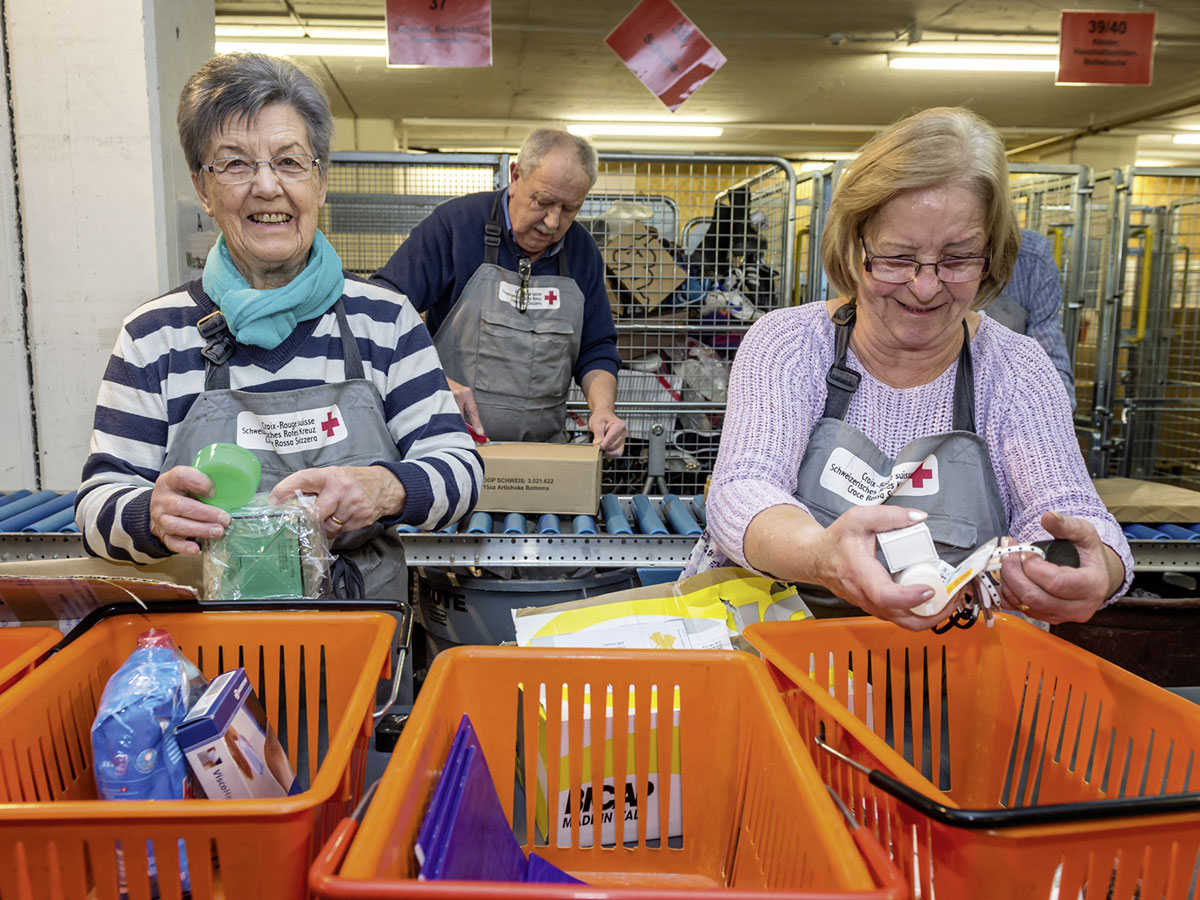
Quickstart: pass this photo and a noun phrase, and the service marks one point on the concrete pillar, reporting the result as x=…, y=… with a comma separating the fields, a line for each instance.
x=104, y=199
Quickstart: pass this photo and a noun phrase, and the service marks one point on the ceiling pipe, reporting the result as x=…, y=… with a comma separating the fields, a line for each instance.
x=1185, y=102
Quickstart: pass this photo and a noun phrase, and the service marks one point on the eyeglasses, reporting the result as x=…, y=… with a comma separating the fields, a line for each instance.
x=899, y=270
x=240, y=169
x=524, y=268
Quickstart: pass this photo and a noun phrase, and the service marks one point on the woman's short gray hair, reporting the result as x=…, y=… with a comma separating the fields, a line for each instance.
x=542, y=140
x=235, y=87
x=944, y=145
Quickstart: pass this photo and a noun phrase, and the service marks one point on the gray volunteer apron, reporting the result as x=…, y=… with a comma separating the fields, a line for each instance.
x=949, y=476
x=370, y=561
x=1008, y=312
x=518, y=362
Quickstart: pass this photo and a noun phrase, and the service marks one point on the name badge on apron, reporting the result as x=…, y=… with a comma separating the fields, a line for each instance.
x=306, y=429
x=539, y=297
x=853, y=478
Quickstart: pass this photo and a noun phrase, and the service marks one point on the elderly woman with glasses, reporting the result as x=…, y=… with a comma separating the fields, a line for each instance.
x=331, y=382
x=902, y=405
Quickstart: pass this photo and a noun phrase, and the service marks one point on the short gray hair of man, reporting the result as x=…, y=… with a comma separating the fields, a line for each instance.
x=234, y=87
x=542, y=140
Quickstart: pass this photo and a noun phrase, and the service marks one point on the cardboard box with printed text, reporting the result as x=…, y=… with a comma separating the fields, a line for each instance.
x=540, y=478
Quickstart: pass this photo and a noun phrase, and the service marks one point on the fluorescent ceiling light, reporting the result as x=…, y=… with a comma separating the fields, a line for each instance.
x=1152, y=163
x=955, y=63
x=372, y=49
x=1187, y=138
x=814, y=166
x=642, y=129
x=979, y=48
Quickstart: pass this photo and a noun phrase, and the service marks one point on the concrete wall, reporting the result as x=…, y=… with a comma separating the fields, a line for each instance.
x=99, y=178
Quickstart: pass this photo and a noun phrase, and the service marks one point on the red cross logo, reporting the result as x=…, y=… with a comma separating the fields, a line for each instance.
x=919, y=475
x=551, y=297
x=330, y=424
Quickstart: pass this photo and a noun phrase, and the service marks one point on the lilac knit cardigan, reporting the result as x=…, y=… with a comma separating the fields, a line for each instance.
x=777, y=393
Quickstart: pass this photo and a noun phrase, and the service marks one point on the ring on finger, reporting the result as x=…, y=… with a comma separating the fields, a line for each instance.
x=1023, y=607
x=336, y=521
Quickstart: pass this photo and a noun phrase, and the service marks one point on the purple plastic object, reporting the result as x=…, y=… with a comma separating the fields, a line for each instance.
x=541, y=872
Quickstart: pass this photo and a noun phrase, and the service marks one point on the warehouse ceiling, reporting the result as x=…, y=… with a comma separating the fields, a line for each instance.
x=804, y=78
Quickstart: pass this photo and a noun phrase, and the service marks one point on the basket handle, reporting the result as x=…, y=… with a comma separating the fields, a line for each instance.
x=329, y=859
x=401, y=658
x=325, y=867
x=128, y=608
x=1048, y=814
x=887, y=875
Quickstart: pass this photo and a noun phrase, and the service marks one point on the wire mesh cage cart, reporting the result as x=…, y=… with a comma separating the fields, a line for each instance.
x=1144, y=314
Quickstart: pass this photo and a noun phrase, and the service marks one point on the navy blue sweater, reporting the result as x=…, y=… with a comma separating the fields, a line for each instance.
x=441, y=254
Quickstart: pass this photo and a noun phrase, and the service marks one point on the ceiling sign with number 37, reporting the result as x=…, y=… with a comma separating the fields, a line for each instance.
x=439, y=32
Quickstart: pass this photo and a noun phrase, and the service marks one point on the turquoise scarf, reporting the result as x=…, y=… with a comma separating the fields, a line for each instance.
x=266, y=318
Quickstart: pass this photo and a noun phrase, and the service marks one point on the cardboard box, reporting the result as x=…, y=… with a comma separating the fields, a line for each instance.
x=230, y=747
x=57, y=593
x=540, y=478
x=1131, y=500
x=640, y=265
x=586, y=809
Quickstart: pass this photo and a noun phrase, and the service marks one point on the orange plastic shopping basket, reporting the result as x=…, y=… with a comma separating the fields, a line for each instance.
x=745, y=808
x=998, y=762
x=316, y=673
x=21, y=648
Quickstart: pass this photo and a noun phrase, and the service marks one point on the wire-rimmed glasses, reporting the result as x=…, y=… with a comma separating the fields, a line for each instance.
x=240, y=169
x=901, y=270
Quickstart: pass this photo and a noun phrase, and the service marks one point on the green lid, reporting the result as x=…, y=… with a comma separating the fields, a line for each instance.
x=235, y=473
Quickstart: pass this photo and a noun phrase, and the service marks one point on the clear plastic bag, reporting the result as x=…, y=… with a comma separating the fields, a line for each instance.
x=268, y=552
x=133, y=735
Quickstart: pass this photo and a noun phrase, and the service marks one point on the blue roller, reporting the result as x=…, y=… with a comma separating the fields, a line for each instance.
x=37, y=513
x=548, y=524
x=699, y=509
x=1139, y=532
x=61, y=519
x=584, y=524
x=452, y=528
x=514, y=523
x=1179, y=533
x=479, y=523
x=647, y=518
x=20, y=506
x=405, y=528
x=614, y=517
x=14, y=496
x=681, y=520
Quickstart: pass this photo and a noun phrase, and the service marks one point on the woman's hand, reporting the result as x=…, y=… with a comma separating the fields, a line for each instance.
x=348, y=497
x=789, y=544
x=179, y=520
x=1058, y=593
x=846, y=561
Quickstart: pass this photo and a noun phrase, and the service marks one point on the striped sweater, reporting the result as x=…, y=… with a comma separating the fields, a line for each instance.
x=156, y=373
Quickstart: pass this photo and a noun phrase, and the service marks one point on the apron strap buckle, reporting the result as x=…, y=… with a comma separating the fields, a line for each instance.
x=219, y=349
x=842, y=378
x=214, y=329
x=212, y=325
x=491, y=234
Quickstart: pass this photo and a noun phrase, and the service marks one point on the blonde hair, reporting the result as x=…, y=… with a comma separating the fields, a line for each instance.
x=943, y=145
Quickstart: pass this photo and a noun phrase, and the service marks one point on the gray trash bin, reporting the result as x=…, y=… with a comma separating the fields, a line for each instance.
x=455, y=609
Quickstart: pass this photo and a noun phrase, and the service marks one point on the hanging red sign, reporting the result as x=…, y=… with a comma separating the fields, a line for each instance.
x=1104, y=47
x=665, y=50
x=439, y=32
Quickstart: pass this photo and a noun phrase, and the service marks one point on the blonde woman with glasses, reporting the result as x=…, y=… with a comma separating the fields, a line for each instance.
x=901, y=403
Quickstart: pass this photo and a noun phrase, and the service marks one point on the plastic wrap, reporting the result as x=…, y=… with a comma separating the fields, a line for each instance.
x=268, y=552
x=133, y=735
